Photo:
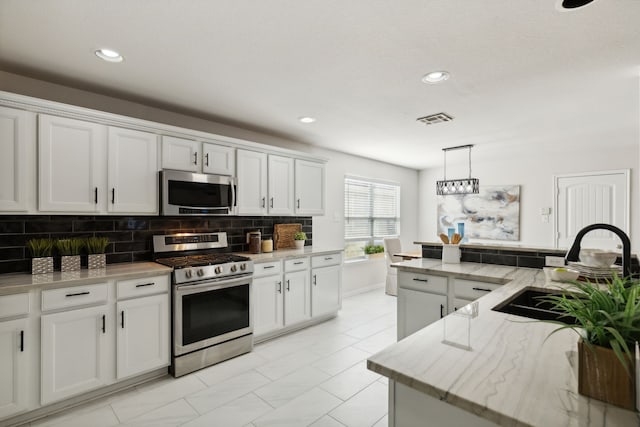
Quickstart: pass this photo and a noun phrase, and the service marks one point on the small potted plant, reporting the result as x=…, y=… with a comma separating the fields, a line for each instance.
x=96, y=248
x=40, y=250
x=608, y=322
x=70, y=250
x=299, y=239
x=374, y=251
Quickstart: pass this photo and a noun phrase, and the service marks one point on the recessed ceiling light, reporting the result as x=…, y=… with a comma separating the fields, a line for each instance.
x=307, y=119
x=109, y=55
x=435, y=77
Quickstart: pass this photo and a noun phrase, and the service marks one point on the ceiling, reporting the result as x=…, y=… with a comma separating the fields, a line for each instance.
x=520, y=69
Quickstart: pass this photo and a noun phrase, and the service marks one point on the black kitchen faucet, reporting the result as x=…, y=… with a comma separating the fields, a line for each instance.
x=574, y=252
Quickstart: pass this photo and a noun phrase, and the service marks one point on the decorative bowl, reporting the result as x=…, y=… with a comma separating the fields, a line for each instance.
x=597, y=257
x=564, y=274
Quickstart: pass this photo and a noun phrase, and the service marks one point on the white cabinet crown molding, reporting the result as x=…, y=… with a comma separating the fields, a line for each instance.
x=38, y=105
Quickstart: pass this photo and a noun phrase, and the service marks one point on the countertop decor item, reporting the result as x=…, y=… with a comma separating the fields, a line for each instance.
x=253, y=239
x=299, y=239
x=283, y=235
x=448, y=187
x=40, y=250
x=96, y=248
x=70, y=250
x=267, y=245
x=451, y=254
x=608, y=321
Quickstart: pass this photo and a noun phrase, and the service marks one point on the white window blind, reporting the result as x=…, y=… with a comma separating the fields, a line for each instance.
x=372, y=209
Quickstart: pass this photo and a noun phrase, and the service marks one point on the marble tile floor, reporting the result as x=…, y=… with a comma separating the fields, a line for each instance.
x=313, y=377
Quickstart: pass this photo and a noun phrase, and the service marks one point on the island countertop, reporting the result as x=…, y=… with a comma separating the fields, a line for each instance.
x=515, y=373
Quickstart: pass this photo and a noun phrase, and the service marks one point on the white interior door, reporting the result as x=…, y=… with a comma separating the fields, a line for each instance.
x=584, y=199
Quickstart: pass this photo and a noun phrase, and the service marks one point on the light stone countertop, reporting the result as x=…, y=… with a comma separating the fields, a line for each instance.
x=515, y=373
x=22, y=282
x=289, y=253
x=517, y=248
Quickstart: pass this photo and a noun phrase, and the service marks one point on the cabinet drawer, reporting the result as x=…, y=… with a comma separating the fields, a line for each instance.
x=325, y=260
x=472, y=289
x=296, y=264
x=423, y=282
x=267, y=268
x=74, y=296
x=141, y=287
x=14, y=305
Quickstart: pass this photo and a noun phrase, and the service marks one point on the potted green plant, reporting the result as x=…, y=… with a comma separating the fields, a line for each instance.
x=96, y=248
x=374, y=251
x=40, y=250
x=299, y=239
x=608, y=322
x=70, y=250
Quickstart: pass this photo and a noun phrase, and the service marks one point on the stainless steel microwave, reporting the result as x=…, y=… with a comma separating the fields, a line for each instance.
x=187, y=193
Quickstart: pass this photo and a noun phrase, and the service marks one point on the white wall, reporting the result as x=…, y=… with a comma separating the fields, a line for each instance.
x=328, y=230
x=533, y=166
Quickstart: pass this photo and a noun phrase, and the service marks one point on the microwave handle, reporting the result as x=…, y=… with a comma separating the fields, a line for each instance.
x=233, y=194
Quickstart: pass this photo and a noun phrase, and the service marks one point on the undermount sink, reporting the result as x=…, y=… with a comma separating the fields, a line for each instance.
x=529, y=302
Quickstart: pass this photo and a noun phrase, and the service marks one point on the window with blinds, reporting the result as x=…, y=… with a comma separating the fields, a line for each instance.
x=372, y=212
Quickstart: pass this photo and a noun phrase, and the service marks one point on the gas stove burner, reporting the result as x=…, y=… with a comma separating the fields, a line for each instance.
x=200, y=260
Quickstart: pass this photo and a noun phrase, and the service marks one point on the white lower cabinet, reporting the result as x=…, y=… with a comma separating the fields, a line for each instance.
x=416, y=309
x=268, y=305
x=297, y=297
x=326, y=290
x=14, y=370
x=76, y=352
x=142, y=335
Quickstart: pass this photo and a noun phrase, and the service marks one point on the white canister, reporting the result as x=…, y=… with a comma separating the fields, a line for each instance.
x=451, y=254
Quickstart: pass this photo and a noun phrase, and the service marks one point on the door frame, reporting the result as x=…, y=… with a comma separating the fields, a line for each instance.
x=556, y=193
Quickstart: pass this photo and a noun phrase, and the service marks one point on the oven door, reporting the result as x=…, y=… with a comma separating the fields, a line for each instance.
x=186, y=193
x=211, y=312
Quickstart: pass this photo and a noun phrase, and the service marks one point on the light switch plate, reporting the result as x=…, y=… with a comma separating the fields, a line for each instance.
x=554, y=261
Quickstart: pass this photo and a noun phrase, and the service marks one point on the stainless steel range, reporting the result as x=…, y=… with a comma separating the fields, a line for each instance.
x=211, y=299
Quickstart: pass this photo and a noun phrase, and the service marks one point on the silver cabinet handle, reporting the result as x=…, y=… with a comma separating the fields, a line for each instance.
x=420, y=280
x=279, y=287
x=195, y=158
x=298, y=203
x=263, y=201
x=288, y=287
x=482, y=289
x=271, y=203
x=206, y=159
x=268, y=266
x=328, y=258
x=298, y=263
x=315, y=280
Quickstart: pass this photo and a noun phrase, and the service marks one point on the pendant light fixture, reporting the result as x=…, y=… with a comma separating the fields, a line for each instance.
x=457, y=186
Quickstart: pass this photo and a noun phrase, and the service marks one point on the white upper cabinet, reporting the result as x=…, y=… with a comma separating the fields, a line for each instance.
x=181, y=154
x=72, y=165
x=17, y=162
x=310, y=188
x=218, y=159
x=132, y=171
x=252, y=182
x=280, y=185
x=195, y=156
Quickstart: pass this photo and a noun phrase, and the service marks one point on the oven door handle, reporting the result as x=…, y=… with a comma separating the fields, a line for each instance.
x=211, y=284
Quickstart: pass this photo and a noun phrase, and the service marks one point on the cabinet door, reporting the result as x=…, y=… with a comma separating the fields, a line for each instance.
x=252, y=182
x=268, y=304
x=143, y=335
x=218, y=159
x=132, y=171
x=181, y=154
x=418, y=309
x=13, y=369
x=75, y=352
x=72, y=165
x=280, y=185
x=17, y=169
x=310, y=188
x=297, y=297
x=326, y=284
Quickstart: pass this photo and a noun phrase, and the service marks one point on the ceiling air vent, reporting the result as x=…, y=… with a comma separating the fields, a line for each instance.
x=435, y=118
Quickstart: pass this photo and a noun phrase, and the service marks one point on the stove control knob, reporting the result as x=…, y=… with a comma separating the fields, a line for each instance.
x=234, y=268
x=243, y=267
x=218, y=270
x=188, y=274
x=200, y=272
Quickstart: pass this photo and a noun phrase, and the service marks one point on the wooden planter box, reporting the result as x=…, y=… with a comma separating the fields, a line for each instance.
x=601, y=376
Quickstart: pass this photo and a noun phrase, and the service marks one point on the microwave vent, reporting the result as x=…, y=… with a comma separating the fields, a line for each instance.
x=435, y=118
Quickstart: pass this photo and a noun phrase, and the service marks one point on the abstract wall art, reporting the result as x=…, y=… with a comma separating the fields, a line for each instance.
x=494, y=213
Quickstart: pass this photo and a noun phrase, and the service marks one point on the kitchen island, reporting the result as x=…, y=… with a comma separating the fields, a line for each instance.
x=512, y=374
